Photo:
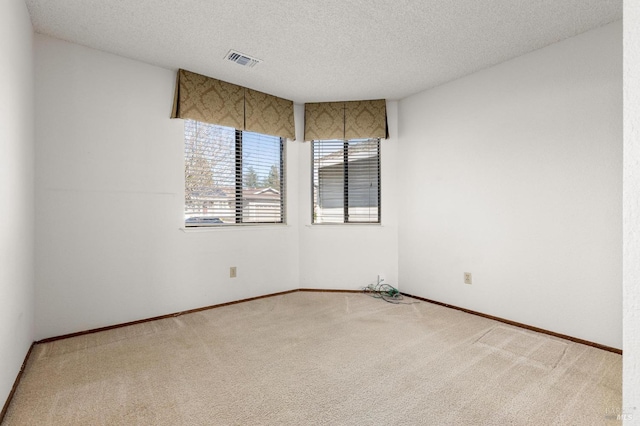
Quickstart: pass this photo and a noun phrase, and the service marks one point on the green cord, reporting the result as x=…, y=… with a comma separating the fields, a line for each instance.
x=385, y=292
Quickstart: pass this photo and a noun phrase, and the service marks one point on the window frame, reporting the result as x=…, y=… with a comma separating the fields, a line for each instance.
x=238, y=185
x=345, y=214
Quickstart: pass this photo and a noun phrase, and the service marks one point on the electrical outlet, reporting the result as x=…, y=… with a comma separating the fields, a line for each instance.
x=233, y=272
x=380, y=278
x=467, y=277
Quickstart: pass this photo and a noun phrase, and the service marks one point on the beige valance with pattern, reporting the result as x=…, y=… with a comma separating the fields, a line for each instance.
x=345, y=120
x=202, y=98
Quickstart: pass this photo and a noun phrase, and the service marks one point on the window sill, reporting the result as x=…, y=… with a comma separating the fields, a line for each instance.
x=345, y=225
x=226, y=228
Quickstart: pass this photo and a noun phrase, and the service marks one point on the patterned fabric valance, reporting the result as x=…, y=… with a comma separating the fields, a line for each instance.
x=324, y=121
x=206, y=99
x=268, y=114
x=345, y=120
x=365, y=119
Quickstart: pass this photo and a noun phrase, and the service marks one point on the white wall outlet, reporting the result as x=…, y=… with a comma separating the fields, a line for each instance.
x=380, y=278
x=233, y=272
x=467, y=277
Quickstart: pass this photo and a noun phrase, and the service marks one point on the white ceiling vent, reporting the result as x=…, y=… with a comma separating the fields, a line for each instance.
x=242, y=59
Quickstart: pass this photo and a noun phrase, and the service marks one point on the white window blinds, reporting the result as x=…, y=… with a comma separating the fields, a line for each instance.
x=232, y=176
x=346, y=181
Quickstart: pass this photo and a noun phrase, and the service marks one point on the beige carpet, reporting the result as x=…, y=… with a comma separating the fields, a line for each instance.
x=318, y=359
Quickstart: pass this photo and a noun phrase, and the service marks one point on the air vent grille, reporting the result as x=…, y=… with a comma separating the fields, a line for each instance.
x=242, y=59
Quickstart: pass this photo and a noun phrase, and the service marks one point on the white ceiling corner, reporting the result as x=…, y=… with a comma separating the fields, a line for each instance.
x=327, y=50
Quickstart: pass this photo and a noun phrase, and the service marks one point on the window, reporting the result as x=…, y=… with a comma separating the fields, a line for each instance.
x=232, y=176
x=346, y=181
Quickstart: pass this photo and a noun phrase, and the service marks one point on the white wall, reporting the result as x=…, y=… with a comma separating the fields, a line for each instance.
x=16, y=190
x=514, y=174
x=351, y=256
x=110, y=199
x=631, y=213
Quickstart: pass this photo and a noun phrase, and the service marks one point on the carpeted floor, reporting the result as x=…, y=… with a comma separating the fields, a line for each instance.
x=310, y=358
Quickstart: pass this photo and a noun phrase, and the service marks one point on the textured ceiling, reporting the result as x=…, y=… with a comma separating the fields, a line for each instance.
x=323, y=50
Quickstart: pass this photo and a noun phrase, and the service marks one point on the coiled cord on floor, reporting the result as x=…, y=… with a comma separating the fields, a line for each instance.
x=385, y=292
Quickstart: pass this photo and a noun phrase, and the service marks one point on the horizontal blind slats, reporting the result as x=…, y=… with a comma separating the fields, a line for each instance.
x=346, y=172
x=232, y=177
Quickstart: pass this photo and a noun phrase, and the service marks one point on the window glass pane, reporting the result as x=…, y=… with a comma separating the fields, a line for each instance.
x=262, y=180
x=363, y=172
x=328, y=181
x=209, y=173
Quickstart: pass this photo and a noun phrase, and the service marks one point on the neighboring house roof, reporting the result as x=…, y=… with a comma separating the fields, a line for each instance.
x=268, y=190
x=357, y=152
x=228, y=192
